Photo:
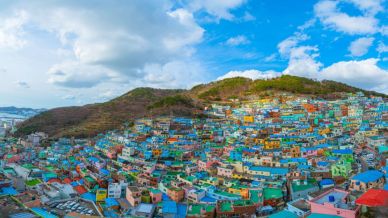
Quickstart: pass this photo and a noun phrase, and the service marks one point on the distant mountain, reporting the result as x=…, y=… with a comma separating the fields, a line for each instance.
x=19, y=112
x=92, y=119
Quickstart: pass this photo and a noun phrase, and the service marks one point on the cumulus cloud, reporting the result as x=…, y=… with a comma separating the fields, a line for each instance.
x=237, y=40
x=220, y=9
x=364, y=73
x=114, y=38
x=360, y=47
x=270, y=57
x=332, y=17
x=302, y=62
x=285, y=47
x=175, y=74
x=11, y=30
x=22, y=84
x=370, y=7
x=77, y=75
x=248, y=16
x=301, y=58
x=384, y=30
x=382, y=48
x=251, y=74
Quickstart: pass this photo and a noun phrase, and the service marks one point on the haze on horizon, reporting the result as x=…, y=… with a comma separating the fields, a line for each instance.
x=60, y=53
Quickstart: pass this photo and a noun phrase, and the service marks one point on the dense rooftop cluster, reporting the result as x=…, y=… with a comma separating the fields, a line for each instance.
x=288, y=156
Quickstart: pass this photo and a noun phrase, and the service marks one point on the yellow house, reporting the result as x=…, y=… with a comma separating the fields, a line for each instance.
x=101, y=195
x=249, y=119
x=239, y=190
x=271, y=144
x=324, y=131
x=237, y=176
x=156, y=152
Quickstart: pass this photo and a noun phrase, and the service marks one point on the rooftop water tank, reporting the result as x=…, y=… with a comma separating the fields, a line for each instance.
x=331, y=198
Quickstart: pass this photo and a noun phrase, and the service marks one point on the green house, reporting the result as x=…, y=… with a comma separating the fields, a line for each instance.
x=343, y=168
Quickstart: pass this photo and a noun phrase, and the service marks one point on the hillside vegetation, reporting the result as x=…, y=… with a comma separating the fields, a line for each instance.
x=244, y=88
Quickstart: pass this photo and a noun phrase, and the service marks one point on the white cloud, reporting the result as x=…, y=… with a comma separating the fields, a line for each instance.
x=11, y=30
x=237, y=40
x=301, y=59
x=220, y=9
x=302, y=62
x=116, y=38
x=291, y=42
x=382, y=48
x=248, y=16
x=370, y=7
x=251, y=74
x=22, y=84
x=175, y=74
x=364, y=73
x=332, y=17
x=270, y=57
x=307, y=24
x=69, y=97
x=77, y=75
x=384, y=30
x=360, y=47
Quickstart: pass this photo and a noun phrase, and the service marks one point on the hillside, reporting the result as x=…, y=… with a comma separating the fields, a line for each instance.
x=92, y=119
x=244, y=88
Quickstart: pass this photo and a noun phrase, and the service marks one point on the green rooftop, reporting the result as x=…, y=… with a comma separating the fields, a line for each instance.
x=195, y=209
x=155, y=191
x=226, y=194
x=28, y=166
x=270, y=193
x=89, y=179
x=226, y=206
x=302, y=186
x=254, y=196
x=33, y=182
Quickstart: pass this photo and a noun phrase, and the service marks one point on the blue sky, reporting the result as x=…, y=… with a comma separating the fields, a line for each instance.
x=59, y=53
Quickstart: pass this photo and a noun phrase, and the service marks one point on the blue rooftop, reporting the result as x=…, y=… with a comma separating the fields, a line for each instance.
x=8, y=191
x=326, y=182
x=368, y=176
x=208, y=199
x=169, y=207
x=342, y=151
x=272, y=170
x=89, y=196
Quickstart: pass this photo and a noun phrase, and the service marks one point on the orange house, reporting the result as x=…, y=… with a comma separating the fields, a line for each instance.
x=172, y=140
x=176, y=194
x=295, y=151
x=271, y=144
x=156, y=152
x=309, y=108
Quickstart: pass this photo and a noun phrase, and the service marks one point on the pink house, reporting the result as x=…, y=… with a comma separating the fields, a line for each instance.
x=225, y=171
x=309, y=152
x=203, y=166
x=335, y=202
x=156, y=195
x=133, y=195
x=111, y=154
